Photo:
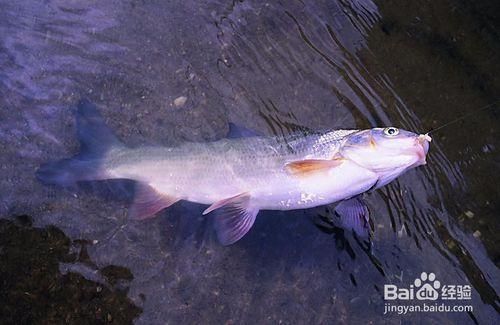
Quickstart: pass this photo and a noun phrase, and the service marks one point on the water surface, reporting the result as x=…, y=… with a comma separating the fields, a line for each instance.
x=273, y=67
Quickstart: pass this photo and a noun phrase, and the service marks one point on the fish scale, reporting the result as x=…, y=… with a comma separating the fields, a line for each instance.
x=223, y=168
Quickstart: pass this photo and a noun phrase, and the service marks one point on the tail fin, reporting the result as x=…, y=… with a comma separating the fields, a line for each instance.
x=95, y=140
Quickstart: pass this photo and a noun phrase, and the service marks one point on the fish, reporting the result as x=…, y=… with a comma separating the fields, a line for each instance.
x=244, y=173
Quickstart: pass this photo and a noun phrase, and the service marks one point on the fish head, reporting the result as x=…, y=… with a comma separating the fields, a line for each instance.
x=386, y=151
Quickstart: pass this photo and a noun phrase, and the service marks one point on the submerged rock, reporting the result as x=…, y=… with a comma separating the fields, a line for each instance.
x=180, y=101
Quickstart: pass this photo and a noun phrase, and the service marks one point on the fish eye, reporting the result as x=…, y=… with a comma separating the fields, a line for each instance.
x=391, y=131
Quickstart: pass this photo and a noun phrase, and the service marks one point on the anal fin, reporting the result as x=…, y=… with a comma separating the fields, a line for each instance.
x=148, y=201
x=234, y=218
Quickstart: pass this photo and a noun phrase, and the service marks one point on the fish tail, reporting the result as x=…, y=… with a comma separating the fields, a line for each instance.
x=95, y=138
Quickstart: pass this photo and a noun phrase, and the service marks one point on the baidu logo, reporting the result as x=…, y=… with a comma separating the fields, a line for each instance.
x=423, y=288
x=422, y=295
x=426, y=287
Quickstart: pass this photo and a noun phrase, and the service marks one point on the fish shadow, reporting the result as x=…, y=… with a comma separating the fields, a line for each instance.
x=113, y=190
x=278, y=238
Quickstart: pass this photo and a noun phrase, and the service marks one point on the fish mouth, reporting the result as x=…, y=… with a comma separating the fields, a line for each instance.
x=421, y=148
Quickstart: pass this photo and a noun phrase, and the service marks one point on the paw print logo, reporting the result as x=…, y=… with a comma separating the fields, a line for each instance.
x=427, y=286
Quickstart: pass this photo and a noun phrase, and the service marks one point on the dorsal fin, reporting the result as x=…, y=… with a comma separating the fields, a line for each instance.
x=237, y=131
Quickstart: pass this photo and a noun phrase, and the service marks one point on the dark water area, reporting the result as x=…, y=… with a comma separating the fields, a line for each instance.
x=41, y=283
x=164, y=72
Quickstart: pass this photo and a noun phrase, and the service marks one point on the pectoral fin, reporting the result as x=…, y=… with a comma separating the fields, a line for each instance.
x=148, y=201
x=309, y=166
x=234, y=218
x=354, y=214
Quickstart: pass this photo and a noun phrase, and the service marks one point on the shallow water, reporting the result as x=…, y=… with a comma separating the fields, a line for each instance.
x=272, y=67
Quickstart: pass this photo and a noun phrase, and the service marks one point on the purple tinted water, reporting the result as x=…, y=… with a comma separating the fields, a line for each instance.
x=164, y=72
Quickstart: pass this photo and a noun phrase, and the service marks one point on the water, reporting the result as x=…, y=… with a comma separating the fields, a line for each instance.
x=274, y=68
